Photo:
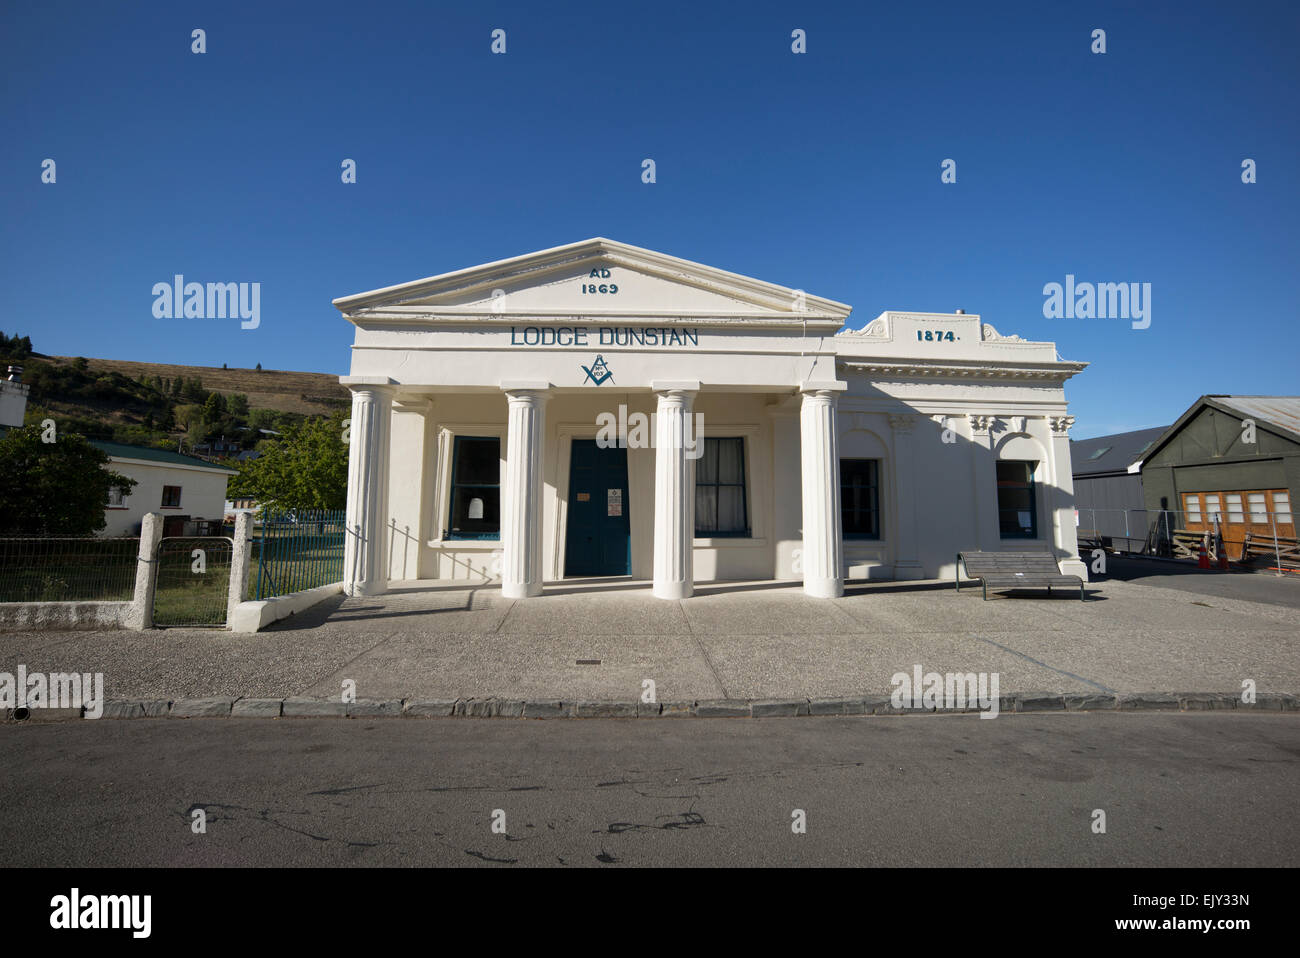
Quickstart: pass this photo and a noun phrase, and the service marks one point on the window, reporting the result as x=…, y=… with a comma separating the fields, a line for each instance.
x=1193, y=503
x=1100, y=452
x=116, y=498
x=1282, y=508
x=171, y=498
x=475, y=488
x=1212, y=509
x=1258, y=508
x=860, y=498
x=721, y=508
x=1017, y=511
x=1235, y=515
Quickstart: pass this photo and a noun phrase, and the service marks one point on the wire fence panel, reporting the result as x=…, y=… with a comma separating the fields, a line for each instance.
x=193, y=581
x=295, y=551
x=68, y=569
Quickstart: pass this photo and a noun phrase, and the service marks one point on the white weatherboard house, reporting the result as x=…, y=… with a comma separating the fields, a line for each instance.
x=495, y=432
x=167, y=482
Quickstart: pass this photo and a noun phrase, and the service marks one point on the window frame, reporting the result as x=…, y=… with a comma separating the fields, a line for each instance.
x=448, y=533
x=748, y=531
x=875, y=508
x=171, y=505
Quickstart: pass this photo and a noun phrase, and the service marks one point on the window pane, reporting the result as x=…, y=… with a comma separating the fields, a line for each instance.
x=706, y=509
x=1258, y=508
x=1017, y=501
x=731, y=467
x=731, y=508
x=1193, y=504
x=860, y=498
x=720, y=503
x=478, y=460
x=1234, y=507
x=475, y=510
x=706, y=467
x=1211, y=506
x=1282, y=507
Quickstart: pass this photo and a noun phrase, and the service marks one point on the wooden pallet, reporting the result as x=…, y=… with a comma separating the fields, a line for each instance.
x=1272, y=550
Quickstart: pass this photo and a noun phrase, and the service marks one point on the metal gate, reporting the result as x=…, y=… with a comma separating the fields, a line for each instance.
x=192, y=581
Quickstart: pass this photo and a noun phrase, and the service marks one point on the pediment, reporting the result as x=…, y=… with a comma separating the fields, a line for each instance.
x=592, y=278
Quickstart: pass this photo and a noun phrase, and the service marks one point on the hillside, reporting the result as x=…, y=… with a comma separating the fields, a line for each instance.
x=278, y=389
x=204, y=410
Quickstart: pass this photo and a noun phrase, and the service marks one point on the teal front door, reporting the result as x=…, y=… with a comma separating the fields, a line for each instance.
x=598, y=539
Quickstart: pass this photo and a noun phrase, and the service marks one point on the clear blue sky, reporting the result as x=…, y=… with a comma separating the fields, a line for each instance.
x=818, y=171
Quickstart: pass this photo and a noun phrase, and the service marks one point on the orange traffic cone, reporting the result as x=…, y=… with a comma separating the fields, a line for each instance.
x=1203, y=560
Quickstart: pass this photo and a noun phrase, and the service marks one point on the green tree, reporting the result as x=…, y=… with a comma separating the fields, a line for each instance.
x=54, y=488
x=214, y=407
x=237, y=406
x=306, y=468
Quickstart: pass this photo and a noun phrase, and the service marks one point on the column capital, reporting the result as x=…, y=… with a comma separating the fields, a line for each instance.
x=357, y=384
x=1060, y=424
x=526, y=389
x=981, y=424
x=823, y=389
x=671, y=386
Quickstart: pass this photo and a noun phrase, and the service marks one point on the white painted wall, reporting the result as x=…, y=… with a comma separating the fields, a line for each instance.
x=203, y=494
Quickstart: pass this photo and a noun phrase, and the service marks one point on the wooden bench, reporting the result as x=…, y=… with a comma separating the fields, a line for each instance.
x=1014, y=570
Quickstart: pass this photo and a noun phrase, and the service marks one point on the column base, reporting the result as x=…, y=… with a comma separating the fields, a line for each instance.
x=365, y=588
x=1074, y=567
x=673, y=590
x=521, y=590
x=824, y=588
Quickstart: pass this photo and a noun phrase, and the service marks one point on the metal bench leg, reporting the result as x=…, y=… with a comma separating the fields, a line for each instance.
x=1080, y=591
x=1049, y=590
x=986, y=589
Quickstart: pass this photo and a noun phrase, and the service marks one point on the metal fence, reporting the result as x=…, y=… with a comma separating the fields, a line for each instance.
x=1158, y=532
x=193, y=581
x=68, y=569
x=299, y=550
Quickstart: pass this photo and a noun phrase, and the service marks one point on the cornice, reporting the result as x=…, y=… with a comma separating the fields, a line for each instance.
x=903, y=369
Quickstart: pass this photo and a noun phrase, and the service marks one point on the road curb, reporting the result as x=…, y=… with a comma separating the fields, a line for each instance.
x=1010, y=703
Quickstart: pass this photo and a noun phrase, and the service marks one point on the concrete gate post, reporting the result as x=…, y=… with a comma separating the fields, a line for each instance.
x=146, y=581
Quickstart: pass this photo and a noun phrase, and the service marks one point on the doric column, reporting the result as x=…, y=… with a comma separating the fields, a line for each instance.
x=1060, y=499
x=907, y=562
x=823, y=538
x=674, y=490
x=521, y=489
x=365, y=571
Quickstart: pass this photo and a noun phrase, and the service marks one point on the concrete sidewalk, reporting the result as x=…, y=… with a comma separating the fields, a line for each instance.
x=759, y=640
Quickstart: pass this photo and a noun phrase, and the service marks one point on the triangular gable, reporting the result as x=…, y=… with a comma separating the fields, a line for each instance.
x=592, y=278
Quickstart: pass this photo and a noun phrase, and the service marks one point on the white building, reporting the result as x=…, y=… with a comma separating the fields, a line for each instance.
x=178, y=486
x=872, y=453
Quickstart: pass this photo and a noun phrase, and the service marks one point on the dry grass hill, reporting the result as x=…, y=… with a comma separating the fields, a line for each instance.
x=278, y=389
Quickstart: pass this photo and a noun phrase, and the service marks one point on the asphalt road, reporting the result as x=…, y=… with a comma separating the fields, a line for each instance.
x=1186, y=577
x=1177, y=790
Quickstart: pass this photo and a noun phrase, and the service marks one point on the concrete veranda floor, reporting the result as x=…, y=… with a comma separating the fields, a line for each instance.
x=432, y=640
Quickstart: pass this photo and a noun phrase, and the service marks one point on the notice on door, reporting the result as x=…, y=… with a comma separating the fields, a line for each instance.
x=614, y=502
x=584, y=497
